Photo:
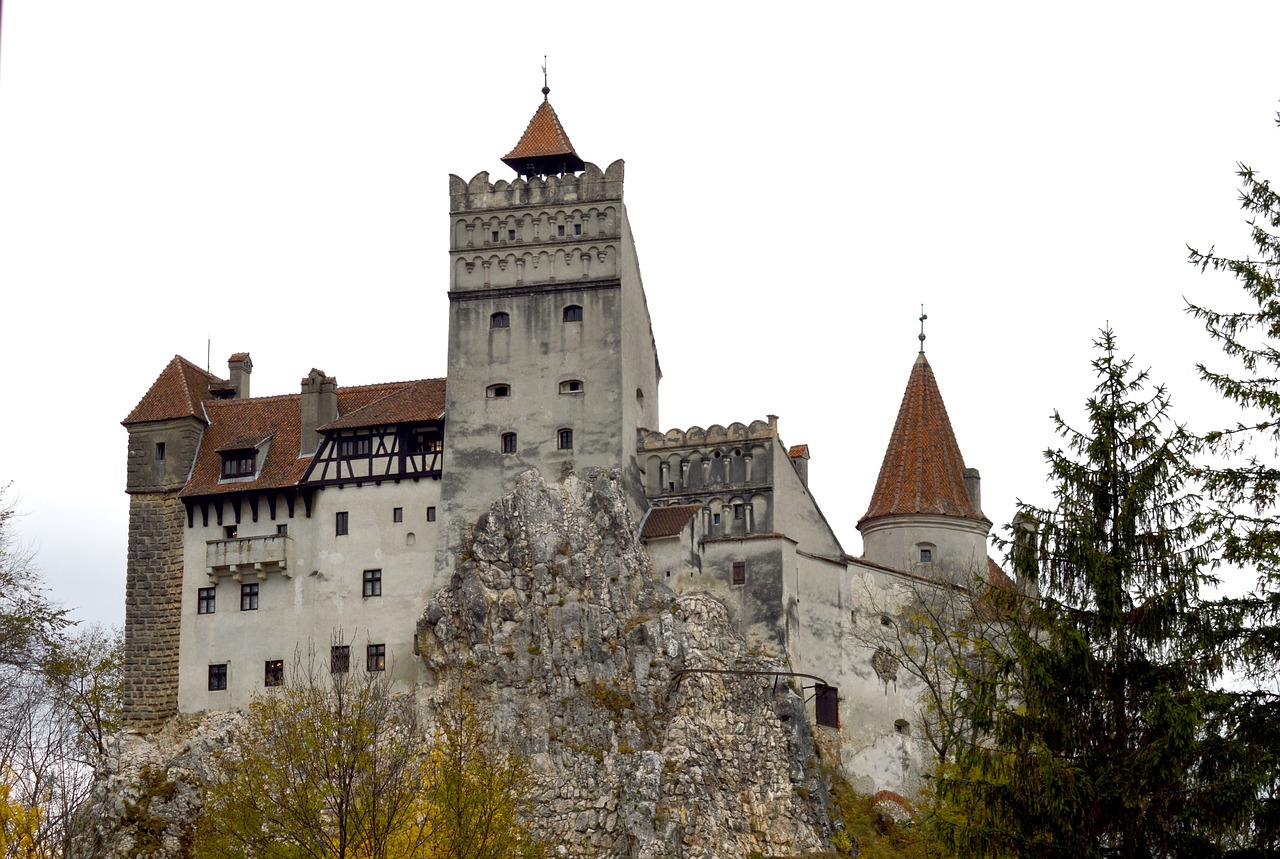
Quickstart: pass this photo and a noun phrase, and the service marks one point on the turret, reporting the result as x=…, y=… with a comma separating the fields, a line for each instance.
x=924, y=515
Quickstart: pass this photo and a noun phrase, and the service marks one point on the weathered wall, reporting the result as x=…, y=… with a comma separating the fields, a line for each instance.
x=153, y=604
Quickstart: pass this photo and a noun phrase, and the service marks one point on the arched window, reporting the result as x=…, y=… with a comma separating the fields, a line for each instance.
x=902, y=726
x=571, y=386
x=499, y=390
x=500, y=320
x=508, y=442
x=573, y=313
x=564, y=439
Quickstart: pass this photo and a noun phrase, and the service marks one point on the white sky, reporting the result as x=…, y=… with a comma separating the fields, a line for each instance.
x=272, y=175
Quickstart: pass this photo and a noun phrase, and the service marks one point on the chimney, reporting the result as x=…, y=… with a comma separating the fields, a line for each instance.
x=240, y=367
x=799, y=455
x=319, y=406
x=973, y=486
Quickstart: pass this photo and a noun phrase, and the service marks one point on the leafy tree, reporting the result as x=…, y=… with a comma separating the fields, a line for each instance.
x=1244, y=485
x=1090, y=708
x=477, y=790
x=335, y=765
x=327, y=766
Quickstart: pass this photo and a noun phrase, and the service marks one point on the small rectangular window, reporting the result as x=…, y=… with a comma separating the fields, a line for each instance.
x=431, y=514
x=577, y=229
x=926, y=556
x=571, y=386
x=565, y=440
x=559, y=229
x=207, y=601
x=282, y=529
x=376, y=657
x=274, y=673
x=372, y=583
x=238, y=463
x=339, y=659
x=737, y=511
x=715, y=518
x=573, y=313
x=739, y=572
x=495, y=237
x=397, y=514
x=340, y=523
x=218, y=677
x=160, y=451
x=229, y=532
x=511, y=235
x=355, y=446
x=249, y=597
x=509, y=442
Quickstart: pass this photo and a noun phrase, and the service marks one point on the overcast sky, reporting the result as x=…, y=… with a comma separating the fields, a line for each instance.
x=800, y=179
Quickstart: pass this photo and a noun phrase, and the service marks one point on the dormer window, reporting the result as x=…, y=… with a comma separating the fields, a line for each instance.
x=239, y=463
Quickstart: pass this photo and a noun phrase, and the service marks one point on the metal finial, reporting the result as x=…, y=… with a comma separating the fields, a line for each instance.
x=546, y=90
x=922, y=319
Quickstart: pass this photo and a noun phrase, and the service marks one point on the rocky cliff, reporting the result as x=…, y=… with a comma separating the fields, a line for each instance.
x=640, y=747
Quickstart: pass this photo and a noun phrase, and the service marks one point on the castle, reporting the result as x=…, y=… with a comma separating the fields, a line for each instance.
x=324, y=519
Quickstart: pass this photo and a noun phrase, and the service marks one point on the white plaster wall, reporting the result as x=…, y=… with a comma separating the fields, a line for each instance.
x=960, y=545
x=321, y=595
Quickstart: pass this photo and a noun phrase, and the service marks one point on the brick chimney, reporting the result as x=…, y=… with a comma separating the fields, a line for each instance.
x=240, y=367
x=319, y=406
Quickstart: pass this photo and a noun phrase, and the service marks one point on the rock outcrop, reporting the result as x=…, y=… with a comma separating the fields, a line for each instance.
x=613, y=685
x=643, y=752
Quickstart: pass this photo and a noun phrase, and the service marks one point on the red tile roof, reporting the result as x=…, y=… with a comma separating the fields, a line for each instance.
x=923, y=471
x=544, y=147
x=668, y=521
x=798, y=450
x=413, y=401
x=176, y=393
x=236, y=424
x=543, y=136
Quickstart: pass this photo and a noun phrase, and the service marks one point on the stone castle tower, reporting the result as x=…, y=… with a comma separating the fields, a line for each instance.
x=552, y=362
x=165, y=429
x=925, y=515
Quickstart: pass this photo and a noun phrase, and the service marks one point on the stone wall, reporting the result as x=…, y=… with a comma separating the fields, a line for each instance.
x=153, y=610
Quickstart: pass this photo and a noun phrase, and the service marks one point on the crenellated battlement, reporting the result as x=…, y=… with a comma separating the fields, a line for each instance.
x=591, y=185
x=714, y=434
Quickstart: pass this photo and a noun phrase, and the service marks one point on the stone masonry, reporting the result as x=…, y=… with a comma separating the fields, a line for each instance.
x=153, y=597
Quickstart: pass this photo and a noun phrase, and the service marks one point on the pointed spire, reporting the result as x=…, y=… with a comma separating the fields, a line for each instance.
x=544, y=148
x=923, y=471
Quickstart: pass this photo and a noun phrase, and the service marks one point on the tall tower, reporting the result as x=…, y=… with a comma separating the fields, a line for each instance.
x=164, y=432
x=552, y=363
x=925, y=514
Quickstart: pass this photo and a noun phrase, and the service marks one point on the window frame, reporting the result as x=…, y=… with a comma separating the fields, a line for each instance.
x=397, y=514
x=371, y=584
x=572, y=313
x=375, y=657
x=498, y=391
x=207, y=600
x=341, y=523
x=249, y=596
x=739, y=573
x=340, y=659
x=509, y=443
x=564, y=439
x=239, y=463
x=273, y=673
x=431, y=514
x=567, y=386
x=217, y=677
x=500, y=319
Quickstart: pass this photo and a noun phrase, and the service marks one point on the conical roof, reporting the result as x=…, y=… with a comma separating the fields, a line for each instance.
x=545, y=148
x=923, y=471
x=176, y=393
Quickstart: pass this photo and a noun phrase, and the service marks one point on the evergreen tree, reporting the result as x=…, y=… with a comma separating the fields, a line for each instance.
x=1244, y=487
x=1090, y=706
